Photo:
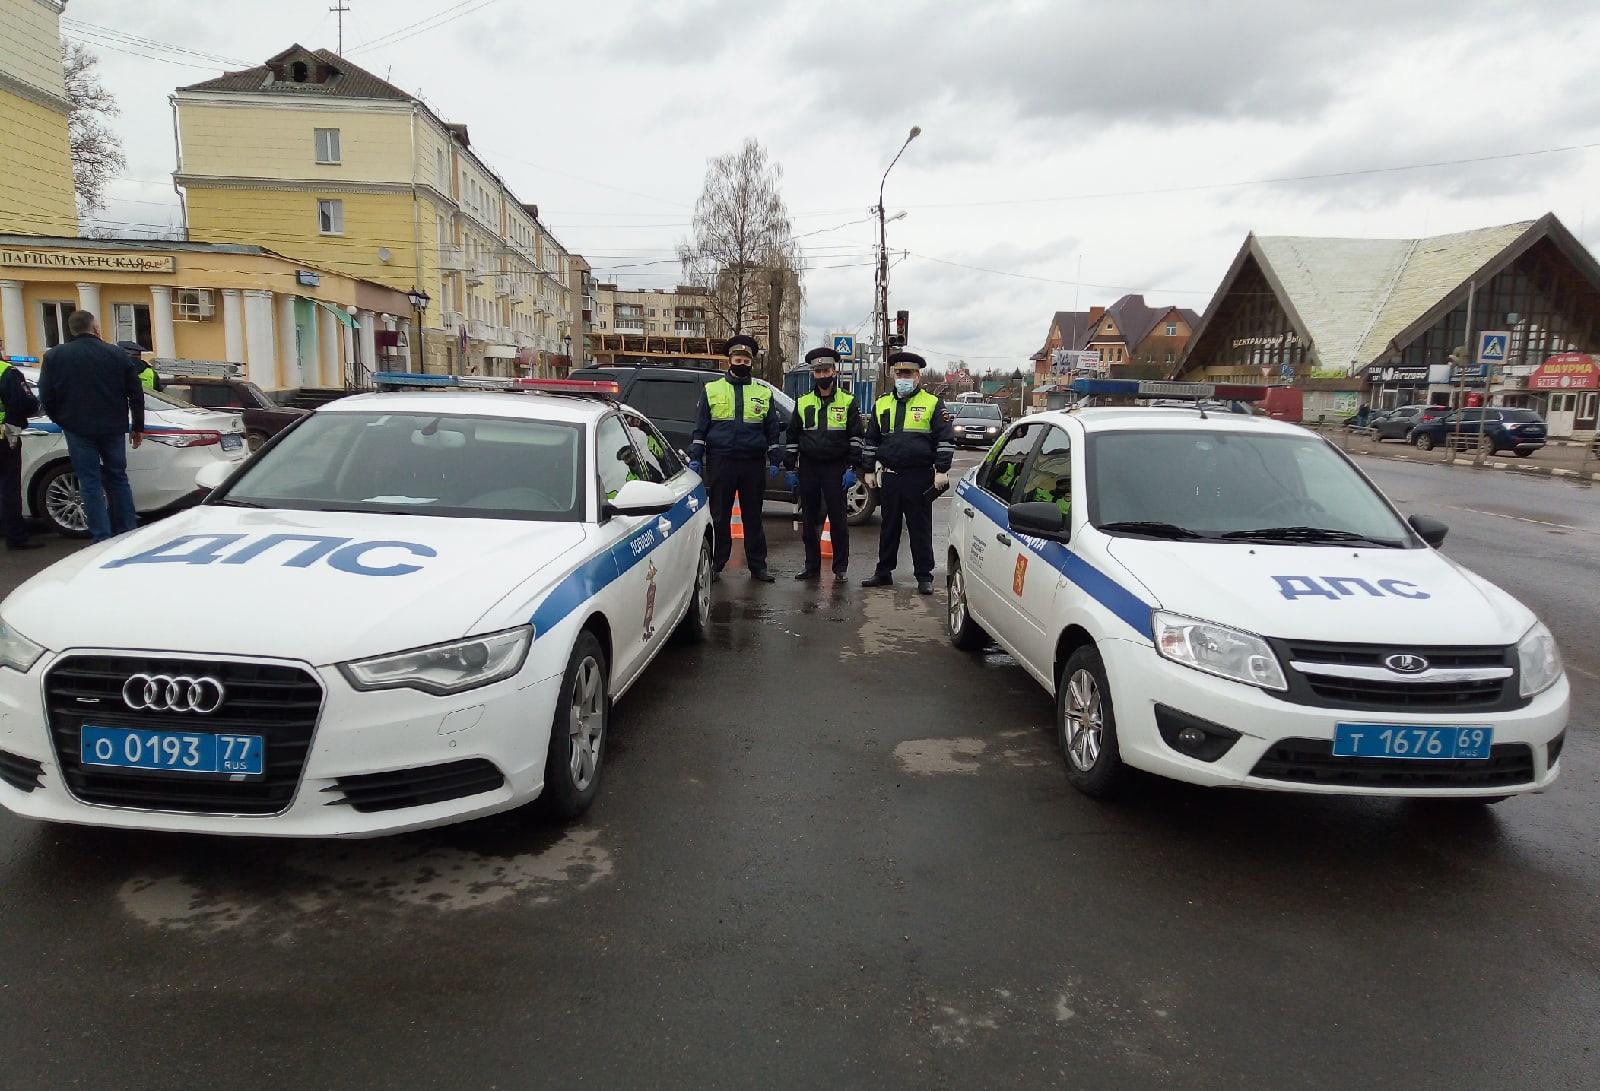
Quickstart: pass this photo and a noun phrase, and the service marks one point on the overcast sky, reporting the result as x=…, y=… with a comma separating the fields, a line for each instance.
x=1085, y=147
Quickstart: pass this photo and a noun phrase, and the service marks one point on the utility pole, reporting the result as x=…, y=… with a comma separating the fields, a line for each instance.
x=340, y=7
x=1467, y=354
x=883, y=265
x=774, y=328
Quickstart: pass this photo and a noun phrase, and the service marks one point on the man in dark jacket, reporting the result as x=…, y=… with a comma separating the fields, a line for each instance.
x=825, y=441
x=737, y=439
x=17, y=404
x=92, y=390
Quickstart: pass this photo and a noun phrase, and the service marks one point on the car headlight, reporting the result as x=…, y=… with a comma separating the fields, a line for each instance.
x=1538, y=661
x=991, y=431
x=17, y=651
x=1219, y=650
x=445, y=668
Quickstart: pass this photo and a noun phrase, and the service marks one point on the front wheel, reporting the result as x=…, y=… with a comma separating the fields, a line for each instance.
x=60, y=501
x=1523, y=452
x=1086, y=726
x=964, y=633
x=1423, y=441
x=578, y=734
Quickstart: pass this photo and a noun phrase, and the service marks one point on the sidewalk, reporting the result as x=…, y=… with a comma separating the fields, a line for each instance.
x=1563, y=460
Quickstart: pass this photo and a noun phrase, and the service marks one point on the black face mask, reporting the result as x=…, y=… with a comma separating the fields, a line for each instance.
x=739, y=371
x=823, y=386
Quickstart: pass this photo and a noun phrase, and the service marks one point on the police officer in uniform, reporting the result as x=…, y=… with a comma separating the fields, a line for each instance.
x=825, y=442
x=737, y=442
x=911, y=439
x=147, y=371
x=17, y=404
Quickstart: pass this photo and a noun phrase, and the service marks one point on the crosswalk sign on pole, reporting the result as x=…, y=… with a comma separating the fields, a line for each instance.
x=845, y=346
x=1493, y=346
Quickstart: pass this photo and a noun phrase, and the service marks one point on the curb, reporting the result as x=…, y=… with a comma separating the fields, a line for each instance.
x=1512, y=467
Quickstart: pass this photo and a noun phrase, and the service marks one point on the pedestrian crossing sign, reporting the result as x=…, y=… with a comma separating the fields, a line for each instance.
x=1493, y=346
x=845, y=346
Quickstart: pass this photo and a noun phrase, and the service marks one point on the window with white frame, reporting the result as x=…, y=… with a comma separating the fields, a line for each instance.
x=330, y=217
x=327, y=145
x=1172, y=329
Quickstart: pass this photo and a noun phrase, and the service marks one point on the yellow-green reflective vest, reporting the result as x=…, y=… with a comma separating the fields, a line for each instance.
x=4, y=367
x=147, y=377
x=720, y=399
x=920, y=409
x=838, y=416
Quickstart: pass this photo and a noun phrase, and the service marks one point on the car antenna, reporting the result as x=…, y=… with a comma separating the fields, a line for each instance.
x=1202, y=407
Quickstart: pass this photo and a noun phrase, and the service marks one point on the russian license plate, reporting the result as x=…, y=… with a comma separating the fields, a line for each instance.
x=172, y=751
x=1404, y=741
x=232, y=442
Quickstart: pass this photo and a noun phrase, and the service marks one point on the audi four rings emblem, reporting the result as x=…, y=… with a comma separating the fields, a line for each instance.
x=173, y=693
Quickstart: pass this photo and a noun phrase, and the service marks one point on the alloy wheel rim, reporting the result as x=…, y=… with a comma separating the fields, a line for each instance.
x=856, y=499
x=958, y=600
x=586, y=723
x=63, y=500
x=703, y=585
x=1085, y=721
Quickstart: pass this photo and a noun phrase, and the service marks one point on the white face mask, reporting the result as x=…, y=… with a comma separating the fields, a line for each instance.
x=904, y=387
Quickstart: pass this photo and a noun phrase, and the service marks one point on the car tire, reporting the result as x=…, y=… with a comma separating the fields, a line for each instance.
x=696, y=623
x=1422, y=441
x=1086, y=726
x=578, y=733
x=59, y=501
x=860, y=501
x=254, y=441
x=965, y=633
x=1524, y=452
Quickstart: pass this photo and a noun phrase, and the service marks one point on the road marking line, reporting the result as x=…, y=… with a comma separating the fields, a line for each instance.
x=1518, y=518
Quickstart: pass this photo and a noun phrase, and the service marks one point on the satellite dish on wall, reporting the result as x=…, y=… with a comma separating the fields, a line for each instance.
x=384, y=254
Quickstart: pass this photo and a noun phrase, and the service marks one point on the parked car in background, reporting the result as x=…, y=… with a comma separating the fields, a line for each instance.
x=1493, y=428
x=669, y=397
x=977, y=424
x=1397, y=423
x=263, y=418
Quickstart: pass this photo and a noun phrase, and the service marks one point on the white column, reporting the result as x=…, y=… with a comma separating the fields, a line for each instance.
x=311, y=374
x=233, y=325
x=348, y=370
x=328, y=376
x=13, y=318
x=369, y=340
x=288, y=344
x=261, y=350
x=161, y=327
x=89, y=300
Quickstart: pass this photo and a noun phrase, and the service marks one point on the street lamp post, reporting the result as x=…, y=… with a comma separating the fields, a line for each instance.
x=883, y=265
x=419, y=304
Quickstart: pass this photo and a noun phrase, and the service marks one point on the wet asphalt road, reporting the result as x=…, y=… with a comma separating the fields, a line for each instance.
x=832, y=851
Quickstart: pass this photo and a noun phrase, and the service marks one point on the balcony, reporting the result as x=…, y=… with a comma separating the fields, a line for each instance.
x=630, y=325
x=480, y=331
x=690, y=329
x=452, y=259
x=475, y=273
x=505, y=285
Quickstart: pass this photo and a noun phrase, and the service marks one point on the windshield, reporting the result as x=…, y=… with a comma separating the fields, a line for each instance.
x=420, y=463
x=980, y=410
x=1229, y=484
x=1519, y=416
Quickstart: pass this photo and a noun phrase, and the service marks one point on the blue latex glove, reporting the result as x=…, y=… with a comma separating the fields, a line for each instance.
x=792, y=480
x=849, y=479
x=772, y=469
x=697, y=466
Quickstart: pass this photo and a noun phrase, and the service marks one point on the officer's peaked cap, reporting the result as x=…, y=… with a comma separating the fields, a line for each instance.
x=906, y=357
x=823, y=355
x=743, y=341
x=132, y=348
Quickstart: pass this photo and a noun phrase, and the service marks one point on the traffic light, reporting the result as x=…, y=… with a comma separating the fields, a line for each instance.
x=902, y=325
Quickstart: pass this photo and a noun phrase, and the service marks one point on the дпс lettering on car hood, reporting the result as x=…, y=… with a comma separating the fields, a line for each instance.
x=318, y=586
x=1335, y=593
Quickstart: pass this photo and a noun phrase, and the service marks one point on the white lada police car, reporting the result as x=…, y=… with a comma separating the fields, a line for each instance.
x=1227, y=600
x=434, y=597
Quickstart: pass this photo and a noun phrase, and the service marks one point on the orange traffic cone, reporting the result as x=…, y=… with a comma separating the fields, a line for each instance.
x=827, y=539
x=736, y=528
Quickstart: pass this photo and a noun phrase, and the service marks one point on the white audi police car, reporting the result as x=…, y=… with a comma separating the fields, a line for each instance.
x=433, y=599
x=1227, y=600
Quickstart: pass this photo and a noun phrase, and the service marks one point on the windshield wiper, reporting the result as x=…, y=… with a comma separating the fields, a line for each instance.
x=1309, y=534
x=1151, y=529
x=232, y=503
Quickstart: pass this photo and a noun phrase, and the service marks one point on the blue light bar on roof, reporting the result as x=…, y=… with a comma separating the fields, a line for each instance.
x=406, y=378
x=1153, y=388
x=21, y=359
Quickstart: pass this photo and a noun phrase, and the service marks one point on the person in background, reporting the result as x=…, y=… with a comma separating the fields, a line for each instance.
x=17, y=404
x=92, y=391
x=147, y=371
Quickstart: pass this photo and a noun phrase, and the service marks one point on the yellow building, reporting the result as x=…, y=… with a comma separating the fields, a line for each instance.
x=36, y=192
x=311, y=155
x=291, y=324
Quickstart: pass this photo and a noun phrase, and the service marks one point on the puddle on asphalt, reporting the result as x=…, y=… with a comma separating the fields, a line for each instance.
x=1018, y=748
x=892, y=621
x=371, y=876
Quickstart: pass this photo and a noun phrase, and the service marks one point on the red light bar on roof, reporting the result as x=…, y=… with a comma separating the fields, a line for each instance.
x=605, y=387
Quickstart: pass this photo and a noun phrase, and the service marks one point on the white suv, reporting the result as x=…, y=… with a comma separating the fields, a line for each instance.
x=1228, y=600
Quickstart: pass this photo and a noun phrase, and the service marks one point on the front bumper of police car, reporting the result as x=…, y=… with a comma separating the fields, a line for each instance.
x=1184, y=722
x=350, y=750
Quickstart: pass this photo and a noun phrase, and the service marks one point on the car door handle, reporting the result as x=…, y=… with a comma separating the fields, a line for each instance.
x=1003, y=539
x=967, y=512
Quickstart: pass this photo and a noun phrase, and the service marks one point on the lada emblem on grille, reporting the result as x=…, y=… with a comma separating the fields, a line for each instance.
x=173, y=693
x=1406, y=663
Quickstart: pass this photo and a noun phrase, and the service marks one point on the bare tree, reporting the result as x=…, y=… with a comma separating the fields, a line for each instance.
x=741, y=238
x=96, y=152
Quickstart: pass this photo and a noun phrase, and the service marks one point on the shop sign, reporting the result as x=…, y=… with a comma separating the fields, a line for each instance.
x=88, y=261
x=306, y=278
x=1566, y=371
x=1270, y=341
x=1397, y=373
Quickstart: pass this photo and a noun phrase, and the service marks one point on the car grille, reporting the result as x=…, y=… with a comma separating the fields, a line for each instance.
x=1311, y=761
x=23, y=774
x=281, y=703
x=1396, y=693
x=369, y=792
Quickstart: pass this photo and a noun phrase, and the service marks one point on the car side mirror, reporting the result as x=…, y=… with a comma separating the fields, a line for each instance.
x=211, y=476
x=640, y=498
x=1039, y=519
x=1429, y=530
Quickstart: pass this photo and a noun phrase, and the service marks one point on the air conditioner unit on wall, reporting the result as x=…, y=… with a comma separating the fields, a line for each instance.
x=195, y=305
